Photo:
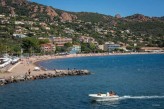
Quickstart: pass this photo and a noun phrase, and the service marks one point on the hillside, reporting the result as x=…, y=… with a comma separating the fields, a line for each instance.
x=37, y=20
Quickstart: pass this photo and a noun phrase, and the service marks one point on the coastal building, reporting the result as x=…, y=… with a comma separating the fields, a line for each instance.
x=101, y=47
x=60, y=41
x=110, y=46
x=48, y=47
x=86, y=39
x=152, y=49
x=75, y=49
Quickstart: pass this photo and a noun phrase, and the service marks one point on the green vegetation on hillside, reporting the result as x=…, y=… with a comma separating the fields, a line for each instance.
x=35, y=22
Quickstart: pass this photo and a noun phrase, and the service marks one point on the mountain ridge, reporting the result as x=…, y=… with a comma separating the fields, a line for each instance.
x=37, y=20
x=33, y=8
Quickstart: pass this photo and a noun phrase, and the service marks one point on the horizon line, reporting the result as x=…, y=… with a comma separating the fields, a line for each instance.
x=97, y=12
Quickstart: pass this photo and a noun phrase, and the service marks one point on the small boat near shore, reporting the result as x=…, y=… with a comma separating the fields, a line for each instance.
x=103, y=97
x=4, y=62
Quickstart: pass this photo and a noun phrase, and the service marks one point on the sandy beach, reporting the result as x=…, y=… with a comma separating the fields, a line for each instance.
x=26, y=64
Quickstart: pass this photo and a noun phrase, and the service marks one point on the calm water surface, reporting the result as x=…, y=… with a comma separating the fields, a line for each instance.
x=137, y=79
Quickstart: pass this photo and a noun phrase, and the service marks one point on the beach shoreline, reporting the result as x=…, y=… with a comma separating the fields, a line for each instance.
x=30, y=63
x=93, y=54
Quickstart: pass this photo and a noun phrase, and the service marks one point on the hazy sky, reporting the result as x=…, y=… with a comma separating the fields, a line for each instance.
x=109, y=7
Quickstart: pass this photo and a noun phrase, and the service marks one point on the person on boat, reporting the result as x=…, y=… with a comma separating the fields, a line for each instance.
x=111, y=93
x=99, y=94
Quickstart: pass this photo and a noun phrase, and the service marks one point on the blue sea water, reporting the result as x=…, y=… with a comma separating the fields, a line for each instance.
x=137, y=79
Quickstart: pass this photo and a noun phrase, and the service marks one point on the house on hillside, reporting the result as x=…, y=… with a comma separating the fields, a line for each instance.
x=60, y=41
x=34, y=28
x=19, y=23
x=86, y=39
x=43, y=24
x=48, y=47
x=101, y=47
x=43, y=38
x=110, y=46
x=47, y=28
x=19, y=35
x=4, y=21
x=2, y=16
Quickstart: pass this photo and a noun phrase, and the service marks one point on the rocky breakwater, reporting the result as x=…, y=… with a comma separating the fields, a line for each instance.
x=47, y=74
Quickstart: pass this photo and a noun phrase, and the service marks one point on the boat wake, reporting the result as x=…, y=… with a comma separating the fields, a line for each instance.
x=141, y=97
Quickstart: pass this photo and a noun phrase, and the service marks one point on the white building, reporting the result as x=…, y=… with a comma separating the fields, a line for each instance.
x=2, y=15
x=19, y=23
x=101, y=47
x=60, y=41
x=110, y=46
x=19, y=35
x=75, y=49
x=86, y=39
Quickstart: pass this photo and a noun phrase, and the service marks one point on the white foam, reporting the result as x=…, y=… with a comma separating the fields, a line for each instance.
x=141, y=97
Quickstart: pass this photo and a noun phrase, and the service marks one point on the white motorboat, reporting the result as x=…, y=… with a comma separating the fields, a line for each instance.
x=36, y=69
x=4, y=62
x=103, y=97
x=15, y=60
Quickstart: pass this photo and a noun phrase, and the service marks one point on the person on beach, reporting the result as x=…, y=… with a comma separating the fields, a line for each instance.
x=26, y=74
x=29, y=71
x=28, y=62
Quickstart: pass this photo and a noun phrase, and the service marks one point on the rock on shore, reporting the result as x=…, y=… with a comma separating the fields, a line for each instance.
x=51, y=74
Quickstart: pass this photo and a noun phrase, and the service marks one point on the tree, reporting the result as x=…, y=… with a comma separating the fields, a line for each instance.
x=60, y=49
x=2, y=48
x=88, y=47
x=85, y=48
x=30, y=45
x=43, y=41
x=67, y=45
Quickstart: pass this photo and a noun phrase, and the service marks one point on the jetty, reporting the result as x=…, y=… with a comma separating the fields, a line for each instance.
x=48, y=74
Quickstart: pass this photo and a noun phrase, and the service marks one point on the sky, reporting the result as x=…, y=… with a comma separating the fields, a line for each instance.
x=109, y=7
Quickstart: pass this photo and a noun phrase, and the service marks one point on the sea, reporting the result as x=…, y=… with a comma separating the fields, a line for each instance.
x=137, y=79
